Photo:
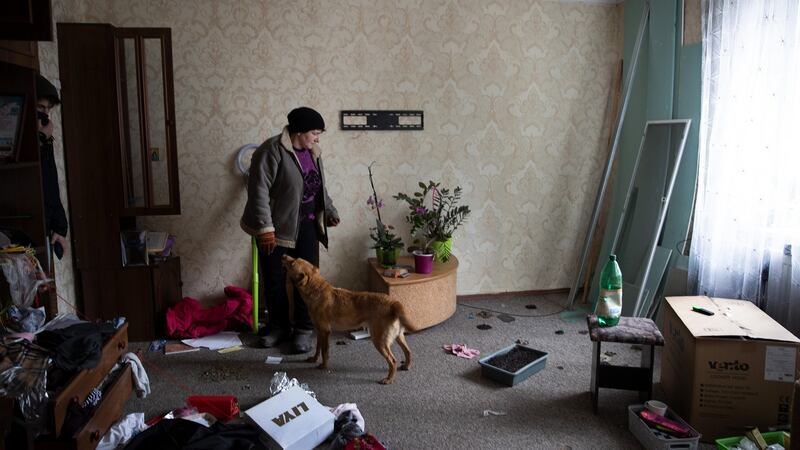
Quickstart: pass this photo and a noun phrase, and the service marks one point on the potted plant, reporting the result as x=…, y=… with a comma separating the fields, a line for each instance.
x=386, y=244
x=434, y=220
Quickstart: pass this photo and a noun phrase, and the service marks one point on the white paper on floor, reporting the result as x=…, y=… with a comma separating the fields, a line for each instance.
x=217, y=341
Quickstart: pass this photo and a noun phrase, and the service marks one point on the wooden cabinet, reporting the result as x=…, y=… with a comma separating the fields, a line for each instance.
x=21, y=53
x=115, y=394
x=27, y=20
x=141, y=294
x=21, y=193
x=21, y=205
x=428, y=299
x=108, y=130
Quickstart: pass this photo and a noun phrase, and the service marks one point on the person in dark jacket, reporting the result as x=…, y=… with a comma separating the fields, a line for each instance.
x=288, y=211
x=54, y=215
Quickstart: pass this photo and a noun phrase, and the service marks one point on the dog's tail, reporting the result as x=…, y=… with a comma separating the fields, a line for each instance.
x=399, y=313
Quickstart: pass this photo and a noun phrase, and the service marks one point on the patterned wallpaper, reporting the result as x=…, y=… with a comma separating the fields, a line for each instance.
x=514, y=96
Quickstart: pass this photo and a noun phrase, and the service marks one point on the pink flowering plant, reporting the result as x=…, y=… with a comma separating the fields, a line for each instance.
x=435, y=218
x=382, y=234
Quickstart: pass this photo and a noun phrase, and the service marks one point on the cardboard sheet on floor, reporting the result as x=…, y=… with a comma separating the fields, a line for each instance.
x=225, y=339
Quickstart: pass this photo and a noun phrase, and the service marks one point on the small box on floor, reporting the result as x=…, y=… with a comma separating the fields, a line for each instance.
x=292, y=420
x=653, y=438
x=729, y=371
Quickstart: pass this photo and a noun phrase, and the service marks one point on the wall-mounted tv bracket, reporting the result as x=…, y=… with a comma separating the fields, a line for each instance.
x=381, y=120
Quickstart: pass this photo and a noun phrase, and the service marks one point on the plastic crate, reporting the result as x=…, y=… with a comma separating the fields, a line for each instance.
x=657, y=440
x=512, y=378
x=772, y=437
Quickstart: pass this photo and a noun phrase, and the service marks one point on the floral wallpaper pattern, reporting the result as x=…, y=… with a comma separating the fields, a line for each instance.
x=514, y=96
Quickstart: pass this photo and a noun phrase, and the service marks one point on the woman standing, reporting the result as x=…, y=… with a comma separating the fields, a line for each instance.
x=288, y=211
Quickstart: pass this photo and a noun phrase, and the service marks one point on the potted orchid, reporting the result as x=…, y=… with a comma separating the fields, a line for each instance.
x=434, y=218
x=387, y=245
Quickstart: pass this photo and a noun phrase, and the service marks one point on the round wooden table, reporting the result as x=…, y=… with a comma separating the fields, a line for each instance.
x=428, y=298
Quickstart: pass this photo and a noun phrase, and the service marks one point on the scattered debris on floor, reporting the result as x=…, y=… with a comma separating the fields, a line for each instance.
x=506, y=318
x=485, y=314
x=157, y=346
x=273, y=360
x=521, y=342
x=606, y=358
x=560, y=367
x=484, y=326
x=341, y=342
x=359, y=334
x=235, y=348
x=559, y=332
x=489, y=412
x=221, y=373
x=583, y=332
x=610, y=353
x=531, y=306
x=471, y=316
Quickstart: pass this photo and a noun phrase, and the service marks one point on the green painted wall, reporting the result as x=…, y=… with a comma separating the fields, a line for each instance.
x=687, y=106
x=666, y=86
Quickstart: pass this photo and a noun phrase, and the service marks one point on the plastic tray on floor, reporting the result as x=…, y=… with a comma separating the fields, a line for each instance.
x=538, y=362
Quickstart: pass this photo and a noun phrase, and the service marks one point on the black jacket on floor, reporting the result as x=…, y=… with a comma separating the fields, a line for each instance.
x=177, y=434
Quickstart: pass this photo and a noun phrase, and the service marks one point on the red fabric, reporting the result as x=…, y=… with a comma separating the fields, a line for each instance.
x=188, y=319
x=365, y=442
x=223, y=407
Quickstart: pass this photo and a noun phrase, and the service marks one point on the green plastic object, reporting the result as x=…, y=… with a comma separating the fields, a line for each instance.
x=442, y=250
x=771, y=437
x=255, y=283
x=609, y=304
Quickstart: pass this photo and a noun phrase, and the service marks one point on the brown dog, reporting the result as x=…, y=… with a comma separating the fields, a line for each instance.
x=332, y=308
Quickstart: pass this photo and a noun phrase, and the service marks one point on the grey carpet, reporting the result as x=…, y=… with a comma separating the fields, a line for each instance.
x=440, y=402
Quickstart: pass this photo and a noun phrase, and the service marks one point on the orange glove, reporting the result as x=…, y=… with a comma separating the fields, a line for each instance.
x=266, y=242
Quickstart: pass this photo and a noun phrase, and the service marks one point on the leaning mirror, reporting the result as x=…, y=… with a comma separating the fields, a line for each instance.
x=638, y=234
x=149, y=169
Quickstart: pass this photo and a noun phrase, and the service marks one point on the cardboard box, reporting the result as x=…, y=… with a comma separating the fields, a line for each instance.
x=292, y=420
x=728, y=372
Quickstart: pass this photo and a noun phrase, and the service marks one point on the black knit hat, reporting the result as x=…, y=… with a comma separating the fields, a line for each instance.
x=45, y=89
x=304, y=119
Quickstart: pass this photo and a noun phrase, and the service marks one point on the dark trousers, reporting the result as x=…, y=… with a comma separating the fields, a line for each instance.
x=273, y=280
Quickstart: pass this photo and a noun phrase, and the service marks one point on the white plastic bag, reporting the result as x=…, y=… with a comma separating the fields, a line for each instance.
x=24, y=275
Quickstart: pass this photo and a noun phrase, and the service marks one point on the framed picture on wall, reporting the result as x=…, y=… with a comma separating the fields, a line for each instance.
x=12, y=109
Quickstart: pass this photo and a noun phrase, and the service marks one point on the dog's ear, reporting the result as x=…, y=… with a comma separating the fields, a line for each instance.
x=302, y=280
x=287, y=259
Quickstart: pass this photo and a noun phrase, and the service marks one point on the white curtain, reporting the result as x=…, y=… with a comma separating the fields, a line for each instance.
x=746, y=234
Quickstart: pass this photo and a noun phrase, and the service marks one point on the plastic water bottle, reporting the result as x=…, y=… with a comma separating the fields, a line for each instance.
x=609, y=305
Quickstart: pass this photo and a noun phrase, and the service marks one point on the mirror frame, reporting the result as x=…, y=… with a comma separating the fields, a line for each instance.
x=139, y=35
x=643, y=274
